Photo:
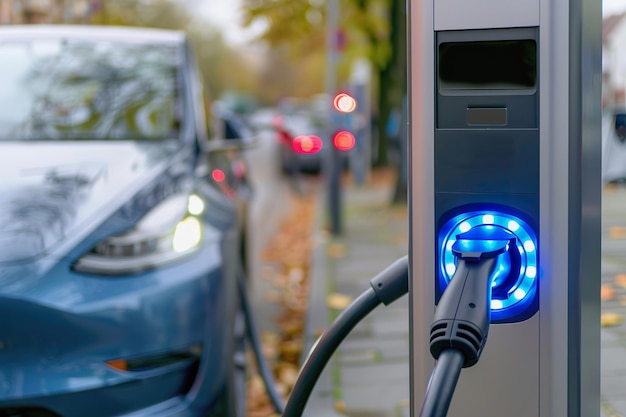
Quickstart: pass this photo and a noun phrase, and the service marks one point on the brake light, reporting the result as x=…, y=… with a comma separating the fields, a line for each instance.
x=344, y=140
x=307, y=144
x=218, y=175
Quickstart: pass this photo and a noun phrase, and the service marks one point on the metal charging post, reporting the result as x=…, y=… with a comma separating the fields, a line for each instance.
x=330, y=167
x=343, y=140
x=334, y=179
x=504, y=111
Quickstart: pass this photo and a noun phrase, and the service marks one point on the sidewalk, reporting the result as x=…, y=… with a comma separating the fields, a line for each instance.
x=369, y=374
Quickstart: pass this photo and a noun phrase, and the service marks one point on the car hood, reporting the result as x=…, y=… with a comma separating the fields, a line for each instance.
x=54, y=193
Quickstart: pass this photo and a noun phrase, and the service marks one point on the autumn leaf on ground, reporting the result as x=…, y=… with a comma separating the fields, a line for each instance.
x=617, y=232
x=607, y=292
x=290, y=351
x=620, y=279
x=336, y=250
x=287, y=374
x=338, y=301
x=611, y=319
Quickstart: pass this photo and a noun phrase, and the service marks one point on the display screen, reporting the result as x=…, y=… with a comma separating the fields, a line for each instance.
x=488, y=65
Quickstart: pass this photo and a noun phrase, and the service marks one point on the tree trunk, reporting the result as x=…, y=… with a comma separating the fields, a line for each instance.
x=392, y=79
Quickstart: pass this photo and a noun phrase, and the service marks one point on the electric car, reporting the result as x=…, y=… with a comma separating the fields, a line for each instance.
x=119, y=253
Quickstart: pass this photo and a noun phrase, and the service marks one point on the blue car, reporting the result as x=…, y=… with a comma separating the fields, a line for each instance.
x=119, y=254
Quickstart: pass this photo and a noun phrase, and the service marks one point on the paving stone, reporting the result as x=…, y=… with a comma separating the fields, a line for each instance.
x=383, y=350
x=619, y=407
x=613, y=361
x=609, y=339
x=613, y=387
x=375, y=398
x=377, y=374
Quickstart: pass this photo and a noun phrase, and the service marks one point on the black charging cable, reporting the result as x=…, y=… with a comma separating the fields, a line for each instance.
x=386, y=287
x=255, y=343
x=459, y=331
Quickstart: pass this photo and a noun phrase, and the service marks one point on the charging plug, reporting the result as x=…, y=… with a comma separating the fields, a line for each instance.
x=463, y=315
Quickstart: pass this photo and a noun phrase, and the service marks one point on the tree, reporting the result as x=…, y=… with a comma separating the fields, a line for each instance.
x=375, y=29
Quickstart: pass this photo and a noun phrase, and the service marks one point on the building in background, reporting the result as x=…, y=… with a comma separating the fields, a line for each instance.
x=614, y=61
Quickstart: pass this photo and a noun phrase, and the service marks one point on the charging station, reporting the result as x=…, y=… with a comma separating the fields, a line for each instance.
x=504, y=105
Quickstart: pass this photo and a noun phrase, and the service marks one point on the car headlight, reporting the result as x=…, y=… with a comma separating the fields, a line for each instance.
x=167, y=233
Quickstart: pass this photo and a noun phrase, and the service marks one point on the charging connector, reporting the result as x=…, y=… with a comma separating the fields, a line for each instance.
x=459, y=331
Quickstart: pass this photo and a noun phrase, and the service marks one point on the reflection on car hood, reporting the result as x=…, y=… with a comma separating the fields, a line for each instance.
x=51, y=192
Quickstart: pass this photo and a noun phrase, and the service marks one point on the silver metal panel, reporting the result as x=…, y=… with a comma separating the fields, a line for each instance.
x=553, y=61
x=485, y=14
x=505, y=380
x=422, y=203
x=563, y=354
x=589, y=63
x=570, y=71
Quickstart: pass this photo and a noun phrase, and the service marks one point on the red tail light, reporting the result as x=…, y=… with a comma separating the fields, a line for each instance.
x=218, y=175
x=306, y=144
x=344, y=140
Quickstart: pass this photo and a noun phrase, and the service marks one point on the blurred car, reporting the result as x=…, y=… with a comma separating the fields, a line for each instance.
x=229, y=166
x=119, y=252
x=299, y=131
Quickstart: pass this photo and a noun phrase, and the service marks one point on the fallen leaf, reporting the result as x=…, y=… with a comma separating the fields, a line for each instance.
x=400, y=238
x=340, y=406
x=318, y=332
x=288, y=374
x=338, y=301
x=617, y=232
x=611, y=319
x=404, y=403
x=272, y=296
x=336, y=250
x=607, y=292
x=620, y=279
x=290, y=350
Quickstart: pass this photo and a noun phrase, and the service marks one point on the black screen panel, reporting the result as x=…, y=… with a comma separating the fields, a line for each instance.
x=488, y=65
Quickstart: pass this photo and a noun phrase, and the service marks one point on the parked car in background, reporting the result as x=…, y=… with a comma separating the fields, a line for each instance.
x=119, y=253
x=299, y=129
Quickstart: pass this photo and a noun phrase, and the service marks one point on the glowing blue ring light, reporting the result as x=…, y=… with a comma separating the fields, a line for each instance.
x=513, y=291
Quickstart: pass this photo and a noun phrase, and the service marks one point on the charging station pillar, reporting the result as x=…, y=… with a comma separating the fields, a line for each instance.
x=504, y=105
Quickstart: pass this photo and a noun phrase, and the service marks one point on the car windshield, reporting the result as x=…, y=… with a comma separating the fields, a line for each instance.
x=88, y=90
